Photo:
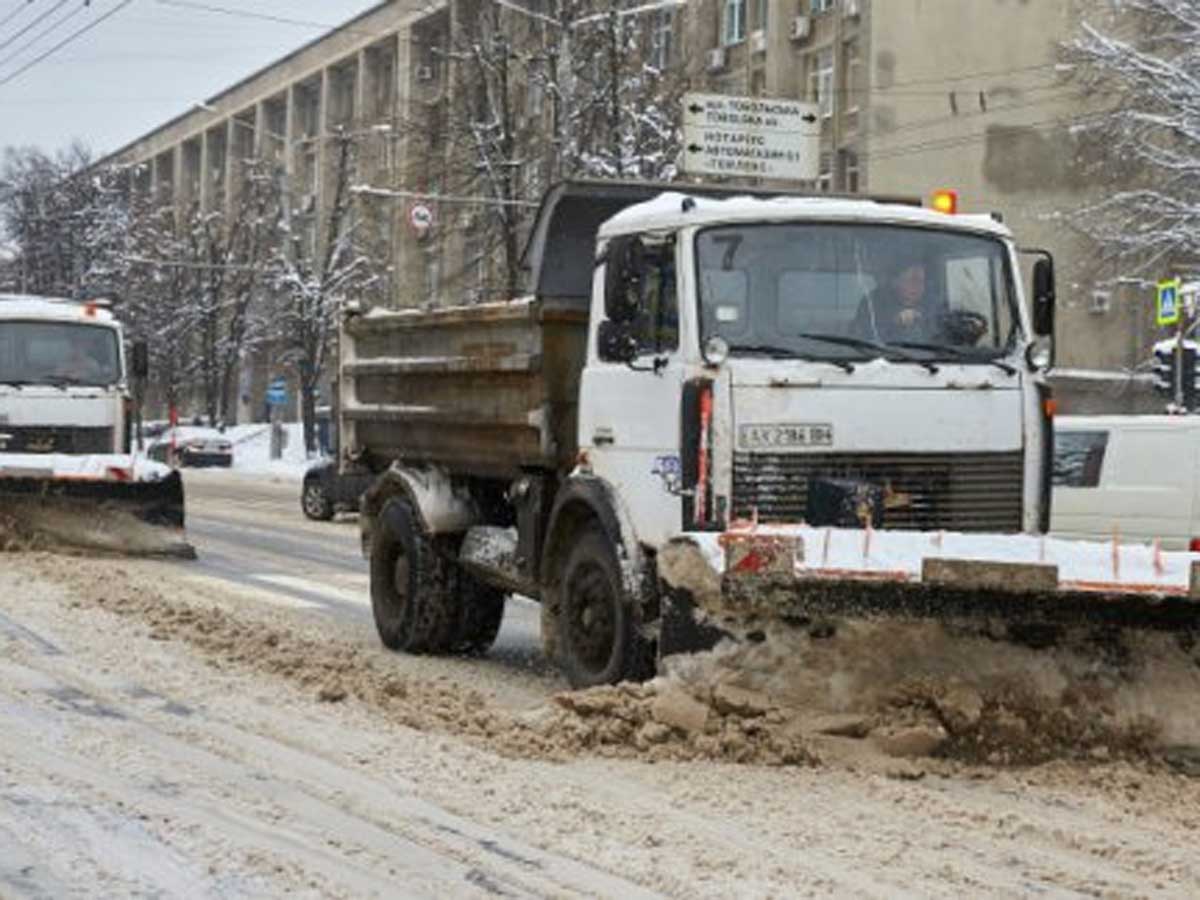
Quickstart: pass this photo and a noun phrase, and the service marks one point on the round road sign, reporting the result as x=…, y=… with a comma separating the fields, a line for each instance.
x=420, y=217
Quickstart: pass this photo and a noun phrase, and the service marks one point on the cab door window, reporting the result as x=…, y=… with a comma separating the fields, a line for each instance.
x=657, y=325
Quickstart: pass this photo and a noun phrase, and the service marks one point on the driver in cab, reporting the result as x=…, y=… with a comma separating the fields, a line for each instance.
x=902, y=310
x=79, y=365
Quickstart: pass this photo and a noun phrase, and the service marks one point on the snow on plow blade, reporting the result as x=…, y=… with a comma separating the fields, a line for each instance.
x=108, y=503
x=742, y=583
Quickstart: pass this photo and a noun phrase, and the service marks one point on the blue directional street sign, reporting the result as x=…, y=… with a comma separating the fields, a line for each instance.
x=277, y=394
x=1167, y=307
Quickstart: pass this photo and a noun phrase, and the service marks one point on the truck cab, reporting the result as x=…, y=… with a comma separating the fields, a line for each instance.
x=64, y=386
x=831, y=361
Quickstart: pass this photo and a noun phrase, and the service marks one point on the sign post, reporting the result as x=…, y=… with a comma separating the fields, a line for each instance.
x=751, y=136
x=277, y=398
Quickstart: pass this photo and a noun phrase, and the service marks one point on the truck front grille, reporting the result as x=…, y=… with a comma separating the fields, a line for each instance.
x=956, y=492
x=55, y=440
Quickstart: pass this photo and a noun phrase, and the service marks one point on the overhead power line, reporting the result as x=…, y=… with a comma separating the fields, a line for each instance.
x=262, y=17
x=73, y=36
x=54, y=26
x=21, y=32
x=21, y=7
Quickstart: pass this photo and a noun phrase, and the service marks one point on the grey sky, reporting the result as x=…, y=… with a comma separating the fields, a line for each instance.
x=140, y=68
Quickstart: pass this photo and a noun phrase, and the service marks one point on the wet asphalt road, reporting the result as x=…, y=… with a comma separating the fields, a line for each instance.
x=250, y=534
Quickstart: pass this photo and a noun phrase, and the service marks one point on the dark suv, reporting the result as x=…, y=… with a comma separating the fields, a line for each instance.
x=325, y=492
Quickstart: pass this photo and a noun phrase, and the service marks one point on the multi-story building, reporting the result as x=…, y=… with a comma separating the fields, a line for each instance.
x=916, y=95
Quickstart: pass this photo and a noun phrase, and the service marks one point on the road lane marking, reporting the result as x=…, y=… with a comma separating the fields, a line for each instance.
x=337, y=595
x=248, y=592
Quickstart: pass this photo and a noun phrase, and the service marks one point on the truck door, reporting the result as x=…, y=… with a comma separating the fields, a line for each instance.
x=629, y=412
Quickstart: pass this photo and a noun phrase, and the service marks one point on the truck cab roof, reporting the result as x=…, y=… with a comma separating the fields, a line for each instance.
x=559, y=257
x=53, y=309
x=676, y=208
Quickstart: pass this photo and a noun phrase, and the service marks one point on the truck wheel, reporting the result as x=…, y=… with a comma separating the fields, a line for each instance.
x=599, y=640
x=315, y=502
x=411, y=584
x=481, y=610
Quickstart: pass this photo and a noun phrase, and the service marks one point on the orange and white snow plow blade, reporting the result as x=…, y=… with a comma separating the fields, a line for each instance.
x=742, y=582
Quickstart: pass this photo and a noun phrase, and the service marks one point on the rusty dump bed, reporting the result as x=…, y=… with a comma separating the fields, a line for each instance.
x=484, y=390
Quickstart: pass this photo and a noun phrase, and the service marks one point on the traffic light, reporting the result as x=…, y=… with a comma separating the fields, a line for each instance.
x=1164, y=368
x=1164, y=372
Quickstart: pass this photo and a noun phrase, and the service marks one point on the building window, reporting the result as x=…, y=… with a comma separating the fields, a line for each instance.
x=761, y=14
x=733, y=22
x=820, y=6
x=852, y=82
x=825, y=173
x=849, y=179
x=664, y=29
x=820, y=81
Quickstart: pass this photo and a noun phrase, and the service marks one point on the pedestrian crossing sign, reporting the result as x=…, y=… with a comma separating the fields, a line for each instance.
x=1168, y=302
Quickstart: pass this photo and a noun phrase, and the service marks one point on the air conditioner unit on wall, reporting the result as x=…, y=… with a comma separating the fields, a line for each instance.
x=424, y=73
x=801, y=28
x=851, y=8
x=717, y=59
x=758, y=41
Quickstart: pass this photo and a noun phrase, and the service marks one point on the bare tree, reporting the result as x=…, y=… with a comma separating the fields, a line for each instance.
x=44, y=205
x=313, y=274
x=536, y=94
x=1142, y=66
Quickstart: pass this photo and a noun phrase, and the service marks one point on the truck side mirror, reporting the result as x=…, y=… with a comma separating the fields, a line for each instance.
x=140, y=359
x=1043, y=297
x=625, y=262
x=616, y=342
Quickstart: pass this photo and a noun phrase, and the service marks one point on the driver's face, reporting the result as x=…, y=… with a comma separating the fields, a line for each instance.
x=910, y=284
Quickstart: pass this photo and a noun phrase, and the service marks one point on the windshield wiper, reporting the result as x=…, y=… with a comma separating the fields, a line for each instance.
x=787, y=353
x=16, y=382
x=66, y=381
x=864, y=344
x=957, y=353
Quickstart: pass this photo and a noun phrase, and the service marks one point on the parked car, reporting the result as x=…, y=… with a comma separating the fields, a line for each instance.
x=195, y=447
x=327, y=492
x=1131, y=475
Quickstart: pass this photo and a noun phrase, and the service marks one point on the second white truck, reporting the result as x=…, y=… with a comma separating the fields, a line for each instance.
x=67, y=466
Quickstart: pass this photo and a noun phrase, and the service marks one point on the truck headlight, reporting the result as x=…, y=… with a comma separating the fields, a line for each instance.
x=716, y=351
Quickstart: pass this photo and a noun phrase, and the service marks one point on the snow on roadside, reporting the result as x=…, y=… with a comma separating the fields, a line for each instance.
x=252, y=449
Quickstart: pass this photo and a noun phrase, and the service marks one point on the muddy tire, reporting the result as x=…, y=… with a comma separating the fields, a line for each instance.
x=314, y=502
x=412, y=585
x=549, y=610
x=599, y=638
x=480, y=613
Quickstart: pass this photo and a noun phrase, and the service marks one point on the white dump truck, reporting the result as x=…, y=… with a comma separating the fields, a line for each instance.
x=67, y=465
x=704, y=407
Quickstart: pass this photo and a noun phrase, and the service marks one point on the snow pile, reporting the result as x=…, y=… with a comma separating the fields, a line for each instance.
x=918, y=689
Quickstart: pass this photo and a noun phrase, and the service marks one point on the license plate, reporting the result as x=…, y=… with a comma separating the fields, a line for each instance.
x=785, y=437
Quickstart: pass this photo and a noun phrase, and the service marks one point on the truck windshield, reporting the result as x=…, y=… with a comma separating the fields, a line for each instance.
x=830, y=291
x=58, y=353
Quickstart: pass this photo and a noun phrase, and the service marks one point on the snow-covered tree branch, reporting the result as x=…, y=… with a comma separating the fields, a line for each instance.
x=1142, y=67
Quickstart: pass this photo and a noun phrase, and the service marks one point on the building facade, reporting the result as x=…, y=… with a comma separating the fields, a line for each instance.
x=913, y=95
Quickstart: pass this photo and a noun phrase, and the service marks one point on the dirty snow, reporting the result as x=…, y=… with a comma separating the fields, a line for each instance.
x=207, y=747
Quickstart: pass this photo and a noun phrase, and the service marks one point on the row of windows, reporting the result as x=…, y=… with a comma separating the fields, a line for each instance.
x=734, y=13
